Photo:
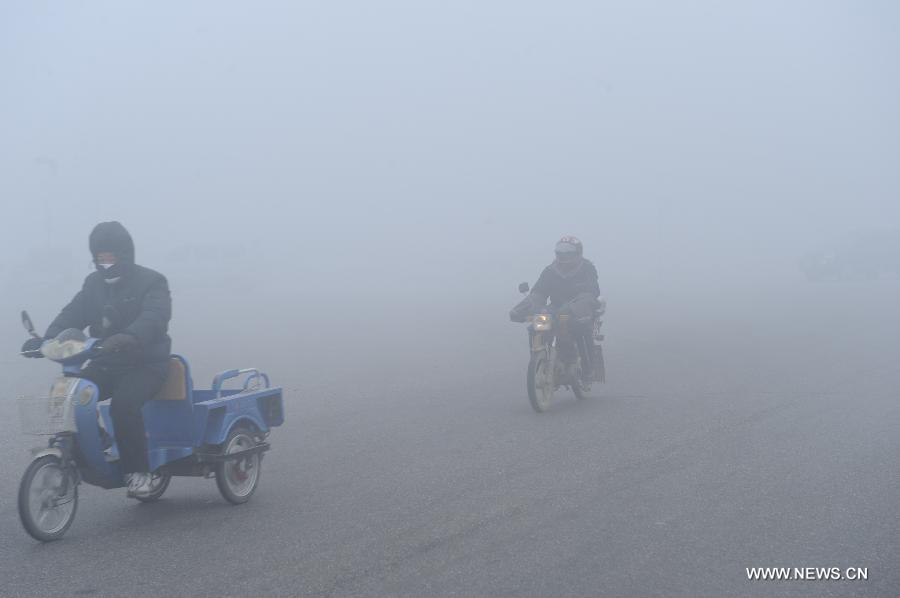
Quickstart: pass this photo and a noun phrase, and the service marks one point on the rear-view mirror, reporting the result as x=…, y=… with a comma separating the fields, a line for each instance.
x=27, y=323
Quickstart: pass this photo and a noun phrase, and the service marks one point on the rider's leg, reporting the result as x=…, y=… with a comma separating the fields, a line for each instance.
x=102, y=377
x=581, y=310
x=134, y=387
x=105, y=380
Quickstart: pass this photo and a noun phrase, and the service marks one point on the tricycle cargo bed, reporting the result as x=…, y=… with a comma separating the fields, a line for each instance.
x=215, y=412
x=182, y=418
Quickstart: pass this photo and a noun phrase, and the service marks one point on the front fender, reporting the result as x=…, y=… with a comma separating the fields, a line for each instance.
x=37, y=453
x=218, y=430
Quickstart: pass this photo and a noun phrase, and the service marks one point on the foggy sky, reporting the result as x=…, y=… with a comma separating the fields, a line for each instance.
x=325, y=154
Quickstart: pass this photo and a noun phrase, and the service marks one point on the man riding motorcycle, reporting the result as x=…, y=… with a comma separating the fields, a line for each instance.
x=571, y=285
x=129, y=307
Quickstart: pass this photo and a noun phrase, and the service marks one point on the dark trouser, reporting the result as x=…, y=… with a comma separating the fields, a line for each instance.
x=130, y=387
x=581, y=309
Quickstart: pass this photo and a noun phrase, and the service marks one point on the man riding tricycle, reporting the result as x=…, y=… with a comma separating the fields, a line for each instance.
x=155, y=425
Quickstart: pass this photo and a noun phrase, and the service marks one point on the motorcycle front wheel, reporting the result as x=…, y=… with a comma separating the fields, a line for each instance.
x=48, y=499
x=539, y=381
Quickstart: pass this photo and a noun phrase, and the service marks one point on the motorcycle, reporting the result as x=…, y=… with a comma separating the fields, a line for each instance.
x=217, y=433
x=559, y=354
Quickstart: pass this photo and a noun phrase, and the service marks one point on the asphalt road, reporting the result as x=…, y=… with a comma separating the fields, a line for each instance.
x=721, y=442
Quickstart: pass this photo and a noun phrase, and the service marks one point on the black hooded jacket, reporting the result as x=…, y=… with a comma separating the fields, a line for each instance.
x=561, y=287
x=138, y=303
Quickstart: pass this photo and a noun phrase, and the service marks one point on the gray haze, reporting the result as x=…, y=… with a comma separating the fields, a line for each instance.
x=346, y=194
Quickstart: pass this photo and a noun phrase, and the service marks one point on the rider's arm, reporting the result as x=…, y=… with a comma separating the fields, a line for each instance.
x=156, y=310
x=541, y=290
x=591, y=283
x=73, y=315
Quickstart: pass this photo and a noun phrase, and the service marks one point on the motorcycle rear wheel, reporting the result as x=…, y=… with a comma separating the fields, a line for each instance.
x=580, y=391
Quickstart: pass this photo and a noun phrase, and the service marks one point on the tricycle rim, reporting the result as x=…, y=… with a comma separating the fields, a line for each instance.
x=29, y=497
x=238, y=478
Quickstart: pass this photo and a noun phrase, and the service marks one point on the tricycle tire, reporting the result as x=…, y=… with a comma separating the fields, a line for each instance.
x=32, y=525
x=237, y=479
x=155, y=494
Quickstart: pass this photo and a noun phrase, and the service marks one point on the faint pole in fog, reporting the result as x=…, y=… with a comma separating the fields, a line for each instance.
x=47, y=169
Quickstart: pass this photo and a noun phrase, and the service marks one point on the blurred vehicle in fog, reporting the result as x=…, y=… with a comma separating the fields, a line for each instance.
x=868, y=255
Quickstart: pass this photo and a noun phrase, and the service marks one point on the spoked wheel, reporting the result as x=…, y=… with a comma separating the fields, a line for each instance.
x=48, y=499
x=540, y=382
x=158, y=486
x=237, y=478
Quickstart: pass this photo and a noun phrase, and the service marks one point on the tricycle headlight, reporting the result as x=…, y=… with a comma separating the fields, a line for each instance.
x=541, y=322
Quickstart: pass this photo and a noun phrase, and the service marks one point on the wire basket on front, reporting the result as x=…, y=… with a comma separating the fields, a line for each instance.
x=46, y=416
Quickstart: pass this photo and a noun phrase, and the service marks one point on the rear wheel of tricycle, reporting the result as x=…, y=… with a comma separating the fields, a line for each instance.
x=237, y=478
x=48, y=499
x=158, y=486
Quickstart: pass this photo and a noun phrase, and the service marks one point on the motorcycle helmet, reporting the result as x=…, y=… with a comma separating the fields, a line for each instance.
x=569, y=250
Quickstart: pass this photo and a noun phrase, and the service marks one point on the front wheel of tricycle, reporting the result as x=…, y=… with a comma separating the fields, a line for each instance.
x=238, y=477
x=48, y=499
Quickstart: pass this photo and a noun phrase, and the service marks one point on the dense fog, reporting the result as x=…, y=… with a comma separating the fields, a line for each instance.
x=289, y=165
x=347, y=194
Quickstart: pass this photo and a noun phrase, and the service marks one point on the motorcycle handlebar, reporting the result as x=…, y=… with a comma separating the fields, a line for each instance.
x=95, y=350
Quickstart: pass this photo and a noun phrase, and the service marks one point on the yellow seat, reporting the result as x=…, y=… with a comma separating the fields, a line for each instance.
x=175, y=387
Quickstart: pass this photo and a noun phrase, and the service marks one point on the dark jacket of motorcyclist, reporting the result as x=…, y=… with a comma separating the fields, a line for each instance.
x=563, y=284
x=570, y=281
x=121, y=299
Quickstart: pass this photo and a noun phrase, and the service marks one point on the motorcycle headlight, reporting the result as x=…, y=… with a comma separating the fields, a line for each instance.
x=541, y=322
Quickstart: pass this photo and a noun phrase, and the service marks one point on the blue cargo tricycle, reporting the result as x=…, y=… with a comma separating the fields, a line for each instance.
x=217, y=433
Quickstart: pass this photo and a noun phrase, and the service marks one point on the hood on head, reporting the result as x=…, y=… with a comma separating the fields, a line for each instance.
x=114, y=238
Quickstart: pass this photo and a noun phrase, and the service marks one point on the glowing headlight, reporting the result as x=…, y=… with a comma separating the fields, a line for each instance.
x=541, y=322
